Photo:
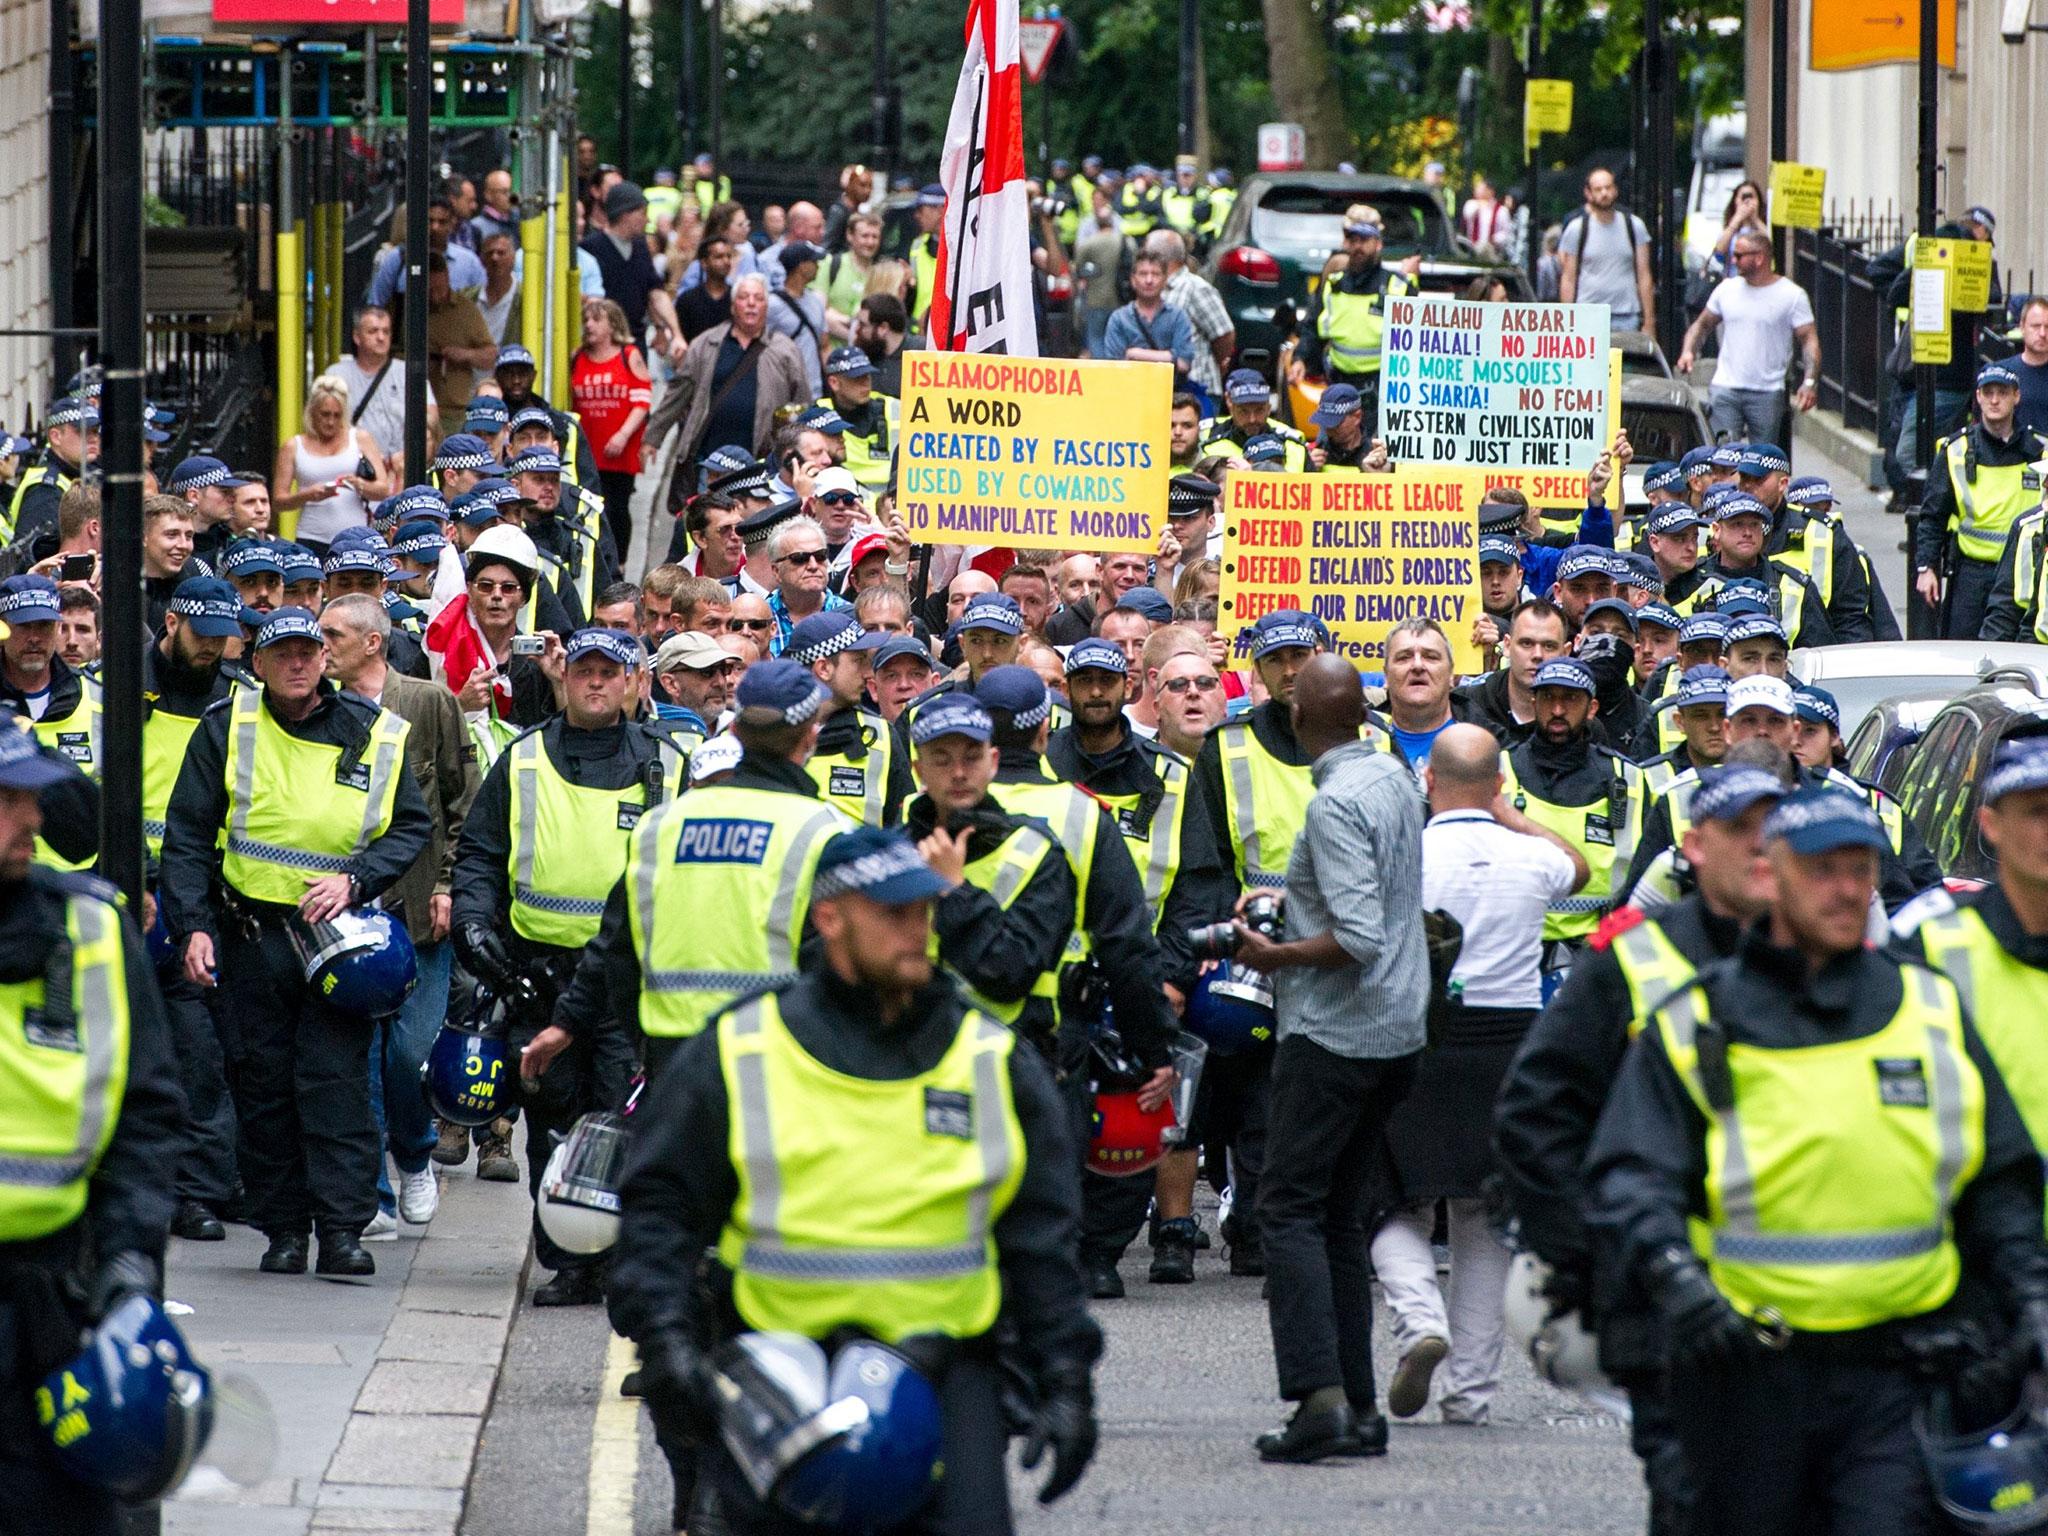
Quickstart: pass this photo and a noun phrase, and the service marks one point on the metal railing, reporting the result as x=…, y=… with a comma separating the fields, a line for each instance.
x=1855, y=323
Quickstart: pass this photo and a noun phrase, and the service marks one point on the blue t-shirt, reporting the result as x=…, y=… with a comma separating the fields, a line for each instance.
x=1415, y=745
x=2033, y=411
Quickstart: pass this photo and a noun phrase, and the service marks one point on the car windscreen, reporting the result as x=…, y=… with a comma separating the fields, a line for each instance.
x=1659, y=432
x=1293, y=217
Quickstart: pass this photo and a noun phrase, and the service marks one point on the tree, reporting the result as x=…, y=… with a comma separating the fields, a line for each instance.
x=1304, y=85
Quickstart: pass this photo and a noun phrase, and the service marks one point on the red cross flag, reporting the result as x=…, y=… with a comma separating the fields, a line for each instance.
x=982, y=291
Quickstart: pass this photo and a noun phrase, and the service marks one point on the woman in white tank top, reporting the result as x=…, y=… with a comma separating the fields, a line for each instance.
x=317, y=471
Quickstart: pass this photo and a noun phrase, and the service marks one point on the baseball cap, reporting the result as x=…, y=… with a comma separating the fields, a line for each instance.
x=994, y=610
x=1809, y=491
x=532, y=416
x=795, y=253
x=1096, y=655
x=1018, y=692
x=780, y=692
x=25, y=765
x=300, y=564
x=1757, y=626
x=1497, y=549
x=1760, y=692
x=252, y=557
x=364, y=551
x=1339, y=401
x=1699, y=628
x=1816, y=706
x=825, y=635
x=419, y=540
x=1701, y=685
x=865, y=545
x=72, y=411
x=1147, y=601
x=1361, y=221
x=1661, y=614
x=1696, y=464
x=1584, y=560
x=612, y=644
x=288, y=624
x=210, y=607
x=1765, y=459
x=465, y=450
x=2019, y=766
x=1725, y=793
x=1728, y=455
x=415, y=501
x=690, y=648
x=895, y=647
x=1264, y=448
x=1997, y=373
x=1246, y=386
x=837, y=479
x=850, y=363
x=1639, y=571
x=535, y=461
x=28, y=600
x=623, y=198
x=1674, y=517
x=1742, y=594
x=1977, y=213
x=487, y=416
x=514, y=355
x=933, y=194
x=1613, y=605
x=1565, y=672
x=199, y=471
x=1284, y=629
x=951, y=714
x=483, y=501
x=1820, y=820
x=881, y=864
x=1663, y=476
x=1740, y=505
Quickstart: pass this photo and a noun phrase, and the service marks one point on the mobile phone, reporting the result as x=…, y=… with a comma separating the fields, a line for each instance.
x=528, y=645
x=76, y=568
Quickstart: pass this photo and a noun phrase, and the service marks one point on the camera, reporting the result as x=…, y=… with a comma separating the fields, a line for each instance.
x=529, y=645
x=1219, y=941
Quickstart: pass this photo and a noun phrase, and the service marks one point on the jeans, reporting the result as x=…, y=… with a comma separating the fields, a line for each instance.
x=1745, y=415
x=1326, y=1125
x=1095, y=323
x=1406, y=1265
x=404, y=1123
x=1950, y=408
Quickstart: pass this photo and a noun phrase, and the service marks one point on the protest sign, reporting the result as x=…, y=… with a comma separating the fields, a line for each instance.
x=1499, y=386
x=1359, y=552
x=1034, y=453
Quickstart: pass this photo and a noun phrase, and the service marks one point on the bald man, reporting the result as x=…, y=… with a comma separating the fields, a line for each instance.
x=1351, y=990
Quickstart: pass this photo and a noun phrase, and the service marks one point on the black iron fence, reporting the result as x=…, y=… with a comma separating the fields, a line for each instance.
x=1850, y=309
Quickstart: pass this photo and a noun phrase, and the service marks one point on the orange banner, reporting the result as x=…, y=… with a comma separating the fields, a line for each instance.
x=1857, y=34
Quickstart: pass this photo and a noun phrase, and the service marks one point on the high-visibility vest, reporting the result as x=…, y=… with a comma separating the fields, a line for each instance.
x=569, y=846
x=867, y=456
x=1829, y=1205
x=2026, y=571
x=2006, y=998
x=1137, y=213
x=1811, y=549
x=489, y=736
x=1003, y=872
x=1184, y=211
x=711, y=191
x=1889, y=814
x=34, y=475
x=1265, y=802
x=1155, y=840
x=662, y=203
x=746, y=855
x=75, y=736
x=1074, y=817
x=859, y=786
x=298, y=808
x=1605, y=835
x=1653, y=968
x=1988, y=502
x=1353, y=325
x=63, y=1072
x=1787, y=596
x=165, y=737
x=676, y=742
x=1216, y=438
x=1221, y=201
x=924, y=271
x=866, y=1203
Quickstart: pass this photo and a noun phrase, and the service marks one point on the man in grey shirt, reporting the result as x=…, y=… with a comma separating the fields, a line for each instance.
x=1604, y=257
x=1351, y=987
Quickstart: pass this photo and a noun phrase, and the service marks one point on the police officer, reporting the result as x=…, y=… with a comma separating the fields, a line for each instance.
x=1340, y=336
x=542, y=847
x=64, y=706
x=858, y=765
x=868, y=1071
x=1741, y=525
x=1671, y=538
x=1551, y=1099
x=515, y=374
x=1808, y=532
x=461, y=462
x=990, y=632
x=1222, y=198
x=87, y=1148
x=71, y=444
x=298, y=798
x=1587, y=794
x=182, y=677
x=1249, y=399
x=1701, y=708
x=566, y=523
x=871, y=418
x=1003, y=929
x=1342, y=442
x=1993, y=942
x=929, y=211
x=745, y=850
x=1185, y=204
x=1805, y=1152
x=357, y=562
x=2012, y=611
x=1984, y=478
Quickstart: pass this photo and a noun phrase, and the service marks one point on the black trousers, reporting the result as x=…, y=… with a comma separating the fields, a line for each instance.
x=1329, y=1118
x=1653, y=1436
x=617, y=488
x=206, y=1140
x=1796, y=1444
x=1112, y=1211
x=973, y=1495
x=36, y=1498
x=311, y=1146
x=1230, y=1115
x=1968, y=596
x=548, y=1110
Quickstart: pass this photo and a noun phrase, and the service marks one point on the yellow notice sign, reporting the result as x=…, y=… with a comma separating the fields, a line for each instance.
x=1033, y=453
x=1547, y=106
x=1970, y=289
x=1360, y=552
x=1797, y=193
x=1928, y=307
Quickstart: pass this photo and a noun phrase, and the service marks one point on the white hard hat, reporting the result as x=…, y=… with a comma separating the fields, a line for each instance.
x=1564, y=1353
x=504, y=542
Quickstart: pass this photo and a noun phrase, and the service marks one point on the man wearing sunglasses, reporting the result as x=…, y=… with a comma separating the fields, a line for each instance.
x=839, y=506
x=797, y=551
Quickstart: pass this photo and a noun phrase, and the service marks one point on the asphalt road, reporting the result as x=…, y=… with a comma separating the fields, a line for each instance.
x=1186, y=1383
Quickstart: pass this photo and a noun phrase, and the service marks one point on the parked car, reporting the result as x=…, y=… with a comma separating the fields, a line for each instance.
x=1881, y=748
x=1862, y=676
x=1270, y=257
x=1663, y=419
x=1943, y=785
x=1641, y=357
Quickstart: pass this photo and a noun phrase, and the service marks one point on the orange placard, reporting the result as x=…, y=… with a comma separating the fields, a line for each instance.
x=1857, y=34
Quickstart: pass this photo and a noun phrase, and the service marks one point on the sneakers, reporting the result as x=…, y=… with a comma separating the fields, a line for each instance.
x=494, y=1162
x=1173, y=1252
x=452, y=1150
x=1408, y=1392
x=419, y=1195
x=383, y=1228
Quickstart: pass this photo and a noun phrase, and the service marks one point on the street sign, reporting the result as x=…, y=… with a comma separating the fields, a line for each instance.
x=1546, y=108
x=1282, y=147
x=1928, y=311
x=1857, y=34
x=1797, y=193
x=1037, y=37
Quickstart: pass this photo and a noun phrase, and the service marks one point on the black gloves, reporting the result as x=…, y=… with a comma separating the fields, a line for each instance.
x=122, y=1275
x=676, y=1379
x=483, y=952
x=1064, y=1419
x=1704, y=1328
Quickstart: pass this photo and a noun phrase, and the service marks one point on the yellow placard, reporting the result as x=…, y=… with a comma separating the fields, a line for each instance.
x=1547, y=106
x=1360, y=552
x=1797, y=194
x=1857, y=34
x=1033, y=452
x=1970, y=287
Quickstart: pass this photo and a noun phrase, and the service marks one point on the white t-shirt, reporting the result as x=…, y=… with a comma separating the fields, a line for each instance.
x=1607, y=263
x=1757, y=325
x=1497, y=884
x=384, y=420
